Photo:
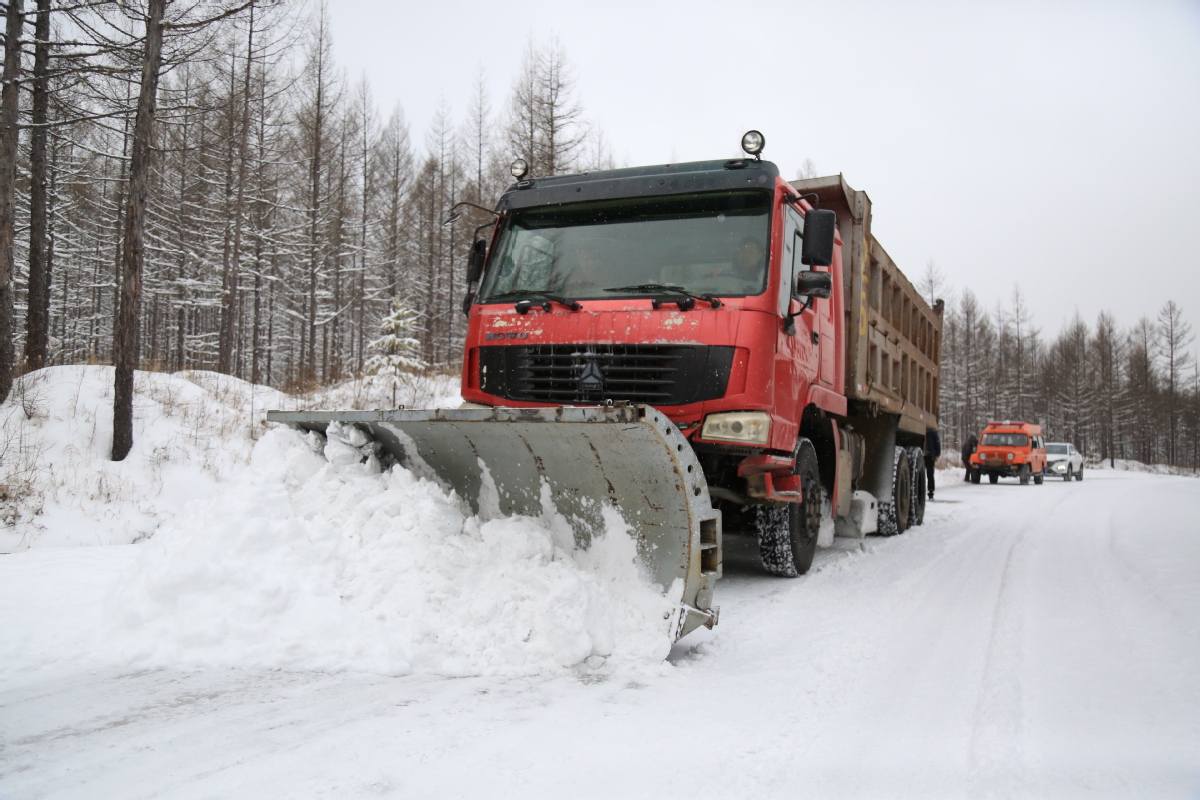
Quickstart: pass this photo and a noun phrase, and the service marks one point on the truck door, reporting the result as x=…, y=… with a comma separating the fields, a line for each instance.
x=796, y=348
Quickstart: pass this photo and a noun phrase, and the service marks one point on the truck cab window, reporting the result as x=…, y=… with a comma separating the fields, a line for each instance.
x=714, y=243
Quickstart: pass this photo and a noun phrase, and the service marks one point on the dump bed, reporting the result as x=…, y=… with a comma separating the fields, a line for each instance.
x=893, y=336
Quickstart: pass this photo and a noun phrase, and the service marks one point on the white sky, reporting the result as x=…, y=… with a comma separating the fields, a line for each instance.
x=1053, y=145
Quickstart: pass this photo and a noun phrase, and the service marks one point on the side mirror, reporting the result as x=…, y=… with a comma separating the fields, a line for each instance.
x=820, y=225
x=475, y=261
x=814, y=284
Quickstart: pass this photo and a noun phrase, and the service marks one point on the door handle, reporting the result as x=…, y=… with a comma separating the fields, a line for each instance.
x=816, y=338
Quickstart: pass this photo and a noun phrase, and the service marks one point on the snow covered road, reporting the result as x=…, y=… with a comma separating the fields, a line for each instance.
x=1039, y=641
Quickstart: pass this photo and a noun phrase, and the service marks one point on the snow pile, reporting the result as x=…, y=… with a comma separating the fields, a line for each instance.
x=192, y=430
x=1127, y=465
x=305, y=564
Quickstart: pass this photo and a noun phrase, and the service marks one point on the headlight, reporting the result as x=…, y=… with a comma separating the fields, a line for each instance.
x=749, y=427
x=1011, y=456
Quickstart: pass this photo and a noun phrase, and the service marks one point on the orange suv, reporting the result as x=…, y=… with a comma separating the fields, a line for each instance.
x=1008, y=449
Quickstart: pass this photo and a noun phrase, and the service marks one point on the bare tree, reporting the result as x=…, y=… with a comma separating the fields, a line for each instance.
x=125, y=337
x=37, y=321
x=1174, y=335
x=933, y=282
x=559, y=114
x=9, y=103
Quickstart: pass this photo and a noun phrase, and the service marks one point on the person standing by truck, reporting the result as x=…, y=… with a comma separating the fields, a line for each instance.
x=968, y=451
x=933, y=449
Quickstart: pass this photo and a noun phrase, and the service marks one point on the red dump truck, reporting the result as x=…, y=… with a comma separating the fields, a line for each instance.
x=705, y=347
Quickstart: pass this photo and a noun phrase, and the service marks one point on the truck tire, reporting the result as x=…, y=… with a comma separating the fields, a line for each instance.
x=993, y=477
x=787, y=535
x=894, y=513
x=1079, y=475
x=975, y=476
x=920, y=489
x=1038, y=477
x=1023, y=474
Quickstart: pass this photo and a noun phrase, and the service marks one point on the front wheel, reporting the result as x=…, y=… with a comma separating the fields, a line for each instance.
x=1070, y=474
x=975, y=476
x=1079, y=475
x=1023, y=474
x=993, y=477
x=787, y=534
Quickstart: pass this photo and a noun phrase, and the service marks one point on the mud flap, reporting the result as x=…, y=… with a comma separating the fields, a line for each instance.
x=630, y=458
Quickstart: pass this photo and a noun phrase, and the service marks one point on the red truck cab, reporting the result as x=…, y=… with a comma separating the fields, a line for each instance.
x=671, y=286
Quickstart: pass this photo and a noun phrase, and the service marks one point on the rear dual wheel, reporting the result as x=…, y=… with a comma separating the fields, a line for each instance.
x=1023, y=474
x=787, y=534
x=894, y=517
x=920, y=489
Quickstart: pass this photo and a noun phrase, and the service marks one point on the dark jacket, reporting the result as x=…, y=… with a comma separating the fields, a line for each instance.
x=969, y=449
x=933, y=444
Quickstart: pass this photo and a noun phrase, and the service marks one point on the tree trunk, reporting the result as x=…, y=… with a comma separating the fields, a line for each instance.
x=125, y=336
x=37, y=320
x=9, y=106
x=233, y=270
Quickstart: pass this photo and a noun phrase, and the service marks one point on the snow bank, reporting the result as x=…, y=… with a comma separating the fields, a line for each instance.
x=192, y=430
x=1127, y=465
x=304, y=564
x=278, y=555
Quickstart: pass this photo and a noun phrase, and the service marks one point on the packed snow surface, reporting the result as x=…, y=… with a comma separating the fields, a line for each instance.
x=296, y=634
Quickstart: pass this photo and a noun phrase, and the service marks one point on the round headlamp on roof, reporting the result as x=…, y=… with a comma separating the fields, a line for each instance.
x=519, y=168
x=753, y=142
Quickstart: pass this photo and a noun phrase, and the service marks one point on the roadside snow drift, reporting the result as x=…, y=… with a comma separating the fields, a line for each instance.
x=282, y=555
x=303, y=564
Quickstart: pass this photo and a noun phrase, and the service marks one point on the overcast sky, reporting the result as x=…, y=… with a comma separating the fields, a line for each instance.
x=1051, y=145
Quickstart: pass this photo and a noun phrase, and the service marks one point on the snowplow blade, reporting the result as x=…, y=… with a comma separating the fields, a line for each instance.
x=632, y=458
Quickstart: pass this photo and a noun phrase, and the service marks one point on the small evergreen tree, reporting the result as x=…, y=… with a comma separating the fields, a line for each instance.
x=396, y=350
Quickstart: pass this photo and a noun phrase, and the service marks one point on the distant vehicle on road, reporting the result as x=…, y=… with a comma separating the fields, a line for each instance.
x=1063, y=459
x=1007, y=449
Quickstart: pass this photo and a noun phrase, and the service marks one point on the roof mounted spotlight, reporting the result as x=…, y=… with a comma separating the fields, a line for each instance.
x=753, y=143
x=519, y=169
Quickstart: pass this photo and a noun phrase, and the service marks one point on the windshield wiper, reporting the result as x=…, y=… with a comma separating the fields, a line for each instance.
x=525, y=304
x=665, y=289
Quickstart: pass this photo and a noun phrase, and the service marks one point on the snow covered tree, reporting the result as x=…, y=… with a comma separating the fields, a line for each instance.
x=396, y=349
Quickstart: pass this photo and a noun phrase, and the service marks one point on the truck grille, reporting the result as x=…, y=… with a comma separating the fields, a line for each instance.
x=566, y=374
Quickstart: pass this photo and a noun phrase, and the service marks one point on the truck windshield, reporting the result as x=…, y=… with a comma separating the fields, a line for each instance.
x=1004, y=440
x=703, y=243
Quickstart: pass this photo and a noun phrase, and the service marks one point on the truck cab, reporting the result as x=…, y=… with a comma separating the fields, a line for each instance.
x=673, y=286
x=1010, y=449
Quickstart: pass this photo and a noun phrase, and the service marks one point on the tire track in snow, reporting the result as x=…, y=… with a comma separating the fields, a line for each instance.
x=996, y=754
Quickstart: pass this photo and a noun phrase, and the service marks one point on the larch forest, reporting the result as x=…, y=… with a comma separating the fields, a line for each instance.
x=286, y=222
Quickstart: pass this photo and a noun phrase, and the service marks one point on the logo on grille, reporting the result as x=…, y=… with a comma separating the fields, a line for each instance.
x=592, y=379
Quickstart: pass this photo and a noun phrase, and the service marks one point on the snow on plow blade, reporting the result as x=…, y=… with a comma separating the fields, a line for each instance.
x=630, y=457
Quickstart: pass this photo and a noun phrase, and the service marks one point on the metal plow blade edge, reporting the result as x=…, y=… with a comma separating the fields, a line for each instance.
x=632, y=458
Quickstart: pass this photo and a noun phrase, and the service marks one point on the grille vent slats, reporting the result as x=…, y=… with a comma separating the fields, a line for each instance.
x=554, y=373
